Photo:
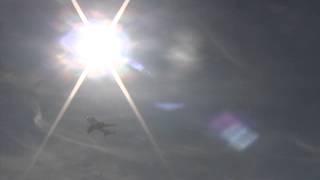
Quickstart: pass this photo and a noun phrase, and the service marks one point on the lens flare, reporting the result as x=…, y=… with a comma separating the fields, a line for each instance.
x=233, y=131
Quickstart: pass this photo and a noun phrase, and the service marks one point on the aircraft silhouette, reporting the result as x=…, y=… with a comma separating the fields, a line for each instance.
x=99, y=126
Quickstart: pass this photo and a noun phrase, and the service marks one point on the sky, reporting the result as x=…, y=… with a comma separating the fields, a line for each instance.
x=228, y=90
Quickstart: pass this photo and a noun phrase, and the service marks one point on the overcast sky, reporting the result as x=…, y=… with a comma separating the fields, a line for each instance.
x=256, y=61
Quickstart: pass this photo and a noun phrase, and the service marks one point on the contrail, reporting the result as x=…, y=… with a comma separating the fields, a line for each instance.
x=55, y=123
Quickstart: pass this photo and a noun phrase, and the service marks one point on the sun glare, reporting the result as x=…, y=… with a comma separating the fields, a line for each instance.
x=98, y=47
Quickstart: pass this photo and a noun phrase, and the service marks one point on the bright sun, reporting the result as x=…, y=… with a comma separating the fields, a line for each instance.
x=98, y=47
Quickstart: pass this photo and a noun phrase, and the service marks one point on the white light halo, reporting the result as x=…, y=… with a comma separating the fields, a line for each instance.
x=99, y=47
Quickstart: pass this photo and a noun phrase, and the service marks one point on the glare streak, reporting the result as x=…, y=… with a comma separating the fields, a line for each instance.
x=117, y=17
x=81, y=14
x=139, y=116
x=124, y=90
x=129, y=98
x=56, y=122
